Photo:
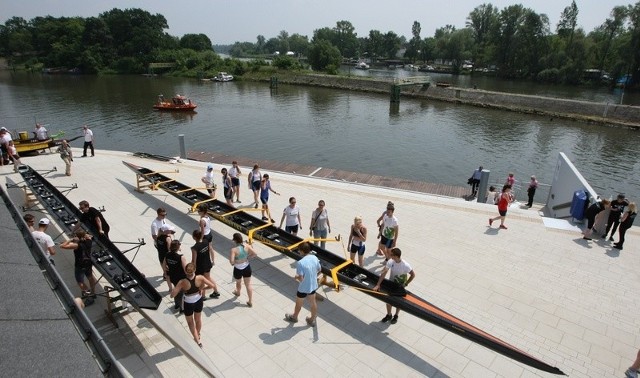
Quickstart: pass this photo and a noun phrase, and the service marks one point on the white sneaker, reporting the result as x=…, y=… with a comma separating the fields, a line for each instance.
x=630, y=373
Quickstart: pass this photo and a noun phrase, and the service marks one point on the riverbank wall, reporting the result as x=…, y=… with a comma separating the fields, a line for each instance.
x=586, y=111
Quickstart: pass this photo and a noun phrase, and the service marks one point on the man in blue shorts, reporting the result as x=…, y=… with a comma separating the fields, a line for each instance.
x=307, y=270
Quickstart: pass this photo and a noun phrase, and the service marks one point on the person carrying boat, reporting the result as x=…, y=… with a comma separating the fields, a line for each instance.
x=401, y=273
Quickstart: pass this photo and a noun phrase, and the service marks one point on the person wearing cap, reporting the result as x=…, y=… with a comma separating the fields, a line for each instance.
x=163, y=240
x=531, y=190
x=617, y=207
x=207, y=179
x=41, y=132
x=174, y=264
x=92, y=216
x=88, y=141
x=235, y=173
x=44, y=240
x=158, y=222
x=388, y=232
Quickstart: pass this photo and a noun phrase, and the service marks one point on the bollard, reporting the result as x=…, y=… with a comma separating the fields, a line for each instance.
x=183, y=151
x=483, y=186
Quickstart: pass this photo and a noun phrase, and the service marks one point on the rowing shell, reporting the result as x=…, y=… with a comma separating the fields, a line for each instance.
x=341, y=270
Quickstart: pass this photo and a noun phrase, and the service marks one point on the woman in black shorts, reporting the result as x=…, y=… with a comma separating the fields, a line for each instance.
x=191, y=287
x=227, y=187
x=239, y=258
x=201, y=253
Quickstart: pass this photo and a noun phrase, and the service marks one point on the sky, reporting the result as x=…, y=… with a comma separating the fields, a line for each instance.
x=226, y=22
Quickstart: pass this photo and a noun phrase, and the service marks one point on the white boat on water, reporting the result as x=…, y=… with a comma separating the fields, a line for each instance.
x=362, y=66
x=222, y=76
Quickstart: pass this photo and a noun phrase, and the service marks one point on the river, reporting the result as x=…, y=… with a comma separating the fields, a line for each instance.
x=421, y=140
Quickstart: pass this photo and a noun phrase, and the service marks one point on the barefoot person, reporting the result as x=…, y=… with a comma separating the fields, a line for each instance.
x=265, y=188
x=239, y=258
x=357, y=237
x=235, y=173
x=388, y=232
x=207, y=179
x=192, y=288
x=255, y=178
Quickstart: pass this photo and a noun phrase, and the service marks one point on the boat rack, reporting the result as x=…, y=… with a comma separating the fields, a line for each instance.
x=341, y=270
x=107, y=258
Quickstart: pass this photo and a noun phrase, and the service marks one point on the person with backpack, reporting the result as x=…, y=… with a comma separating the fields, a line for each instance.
x=83, y=266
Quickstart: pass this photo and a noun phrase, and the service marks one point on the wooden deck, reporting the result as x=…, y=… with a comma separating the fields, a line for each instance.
x=336, y=174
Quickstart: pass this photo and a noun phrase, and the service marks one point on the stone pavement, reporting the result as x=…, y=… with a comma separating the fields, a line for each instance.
x=546, y=291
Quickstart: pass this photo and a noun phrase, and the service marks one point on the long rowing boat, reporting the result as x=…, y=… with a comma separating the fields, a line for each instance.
x=341, y=270
x=106, y=257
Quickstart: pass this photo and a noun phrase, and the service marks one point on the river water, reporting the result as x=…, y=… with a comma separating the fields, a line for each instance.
x=421, y=140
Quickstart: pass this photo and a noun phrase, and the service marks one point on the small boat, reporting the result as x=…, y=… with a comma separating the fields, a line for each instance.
x=178, y=103
x=24, y=145
x=442, y=84
x=362, y=66
x=222, y=76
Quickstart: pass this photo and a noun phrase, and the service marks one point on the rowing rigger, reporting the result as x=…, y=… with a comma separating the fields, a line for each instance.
x=342, y=270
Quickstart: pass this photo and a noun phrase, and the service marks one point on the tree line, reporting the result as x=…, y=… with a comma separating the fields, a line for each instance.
x=513, y=42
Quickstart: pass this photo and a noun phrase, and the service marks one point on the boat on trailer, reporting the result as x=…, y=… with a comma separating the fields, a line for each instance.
x=341, y=270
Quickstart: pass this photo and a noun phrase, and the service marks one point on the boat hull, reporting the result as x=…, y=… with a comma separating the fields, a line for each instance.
x=112, y=264
x=341, y=270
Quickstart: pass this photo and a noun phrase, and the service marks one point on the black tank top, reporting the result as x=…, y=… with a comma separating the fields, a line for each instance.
x=174, y=263
x=193, y=289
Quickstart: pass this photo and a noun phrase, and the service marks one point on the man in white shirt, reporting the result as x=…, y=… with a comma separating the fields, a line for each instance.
x=44, y=240
x=88, y=141
x=41, y=132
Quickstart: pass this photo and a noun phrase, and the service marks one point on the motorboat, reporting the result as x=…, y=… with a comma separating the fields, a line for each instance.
x=177, y=103
x=362, y=66
x=222, y=76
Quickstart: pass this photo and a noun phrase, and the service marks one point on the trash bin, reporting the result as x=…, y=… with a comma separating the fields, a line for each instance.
x=578, y=204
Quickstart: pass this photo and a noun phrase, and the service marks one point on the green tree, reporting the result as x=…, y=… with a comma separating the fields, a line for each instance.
x=483, y=21
x=260, y=42
x=415, y=42
x=283, y=42
x=612, y=28
x=345, y=39
x=197, y=42
x=299, y=44
x=272, y=45
x=375, y=44
x=16, y=38
x=323, y=56
x=568, y=21
x=391, y=43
